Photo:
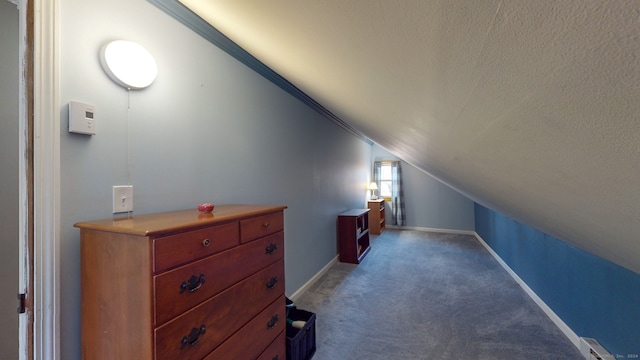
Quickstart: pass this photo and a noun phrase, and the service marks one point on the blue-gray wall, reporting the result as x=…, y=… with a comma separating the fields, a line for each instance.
x=428, y=202
x=208, y=129
x=594, y=297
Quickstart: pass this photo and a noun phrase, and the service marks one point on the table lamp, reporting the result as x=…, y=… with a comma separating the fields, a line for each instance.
x=373, y=187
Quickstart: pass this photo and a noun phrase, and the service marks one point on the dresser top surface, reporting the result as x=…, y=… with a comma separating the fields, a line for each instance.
x=354, y=212
x=159, y=223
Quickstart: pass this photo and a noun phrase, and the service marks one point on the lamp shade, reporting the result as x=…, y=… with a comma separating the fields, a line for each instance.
x=373, y=186
x=128, y=64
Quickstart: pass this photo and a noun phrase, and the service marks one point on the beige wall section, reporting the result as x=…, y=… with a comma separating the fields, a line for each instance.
x=9, y=257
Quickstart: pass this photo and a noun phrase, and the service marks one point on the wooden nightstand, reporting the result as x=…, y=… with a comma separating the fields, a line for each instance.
x=376, y=216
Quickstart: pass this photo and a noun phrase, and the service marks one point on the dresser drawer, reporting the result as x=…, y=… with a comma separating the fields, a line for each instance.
x=211, y=275
x=197, y=332
x=258, y=226
x=277, y=350
x=256, y=336
x=174, y=250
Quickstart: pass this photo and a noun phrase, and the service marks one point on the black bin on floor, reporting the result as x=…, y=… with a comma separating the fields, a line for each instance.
x=301, y=343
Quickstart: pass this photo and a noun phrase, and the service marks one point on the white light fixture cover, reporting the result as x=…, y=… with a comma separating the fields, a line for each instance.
x=128, y=64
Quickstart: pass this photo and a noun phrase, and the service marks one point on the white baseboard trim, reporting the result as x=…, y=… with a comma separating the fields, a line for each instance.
x=296, y=295
x=566, y=330
x=436, y=230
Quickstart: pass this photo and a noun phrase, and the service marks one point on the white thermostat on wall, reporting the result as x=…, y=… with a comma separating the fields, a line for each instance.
x=82, y=118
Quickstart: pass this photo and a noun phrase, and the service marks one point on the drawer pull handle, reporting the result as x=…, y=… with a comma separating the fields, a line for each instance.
x=275, y=357
x=265, y=226
x=271, y=249
x=272, y=323
x=193, y=337
x=206, y=242
x=272, y=282
x=193, y=284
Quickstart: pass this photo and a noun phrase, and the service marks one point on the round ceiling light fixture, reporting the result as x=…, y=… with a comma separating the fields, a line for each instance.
x=128, y=64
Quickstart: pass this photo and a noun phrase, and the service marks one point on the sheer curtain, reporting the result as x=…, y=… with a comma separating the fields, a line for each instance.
x=397, y=194
x=377, y=166
x=397, y=191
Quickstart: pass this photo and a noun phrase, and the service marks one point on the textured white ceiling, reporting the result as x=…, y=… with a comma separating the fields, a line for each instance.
x=529, y=107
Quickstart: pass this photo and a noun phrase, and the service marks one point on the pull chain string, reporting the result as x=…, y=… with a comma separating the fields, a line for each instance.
x=128, y=141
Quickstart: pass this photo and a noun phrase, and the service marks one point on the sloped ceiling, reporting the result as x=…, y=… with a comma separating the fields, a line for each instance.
x=531, y=108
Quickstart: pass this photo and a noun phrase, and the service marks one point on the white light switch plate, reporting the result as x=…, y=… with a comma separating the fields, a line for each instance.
x=122, y=198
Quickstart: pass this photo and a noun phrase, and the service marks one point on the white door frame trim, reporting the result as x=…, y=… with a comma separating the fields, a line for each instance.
x=23, y=181
x=46, y=167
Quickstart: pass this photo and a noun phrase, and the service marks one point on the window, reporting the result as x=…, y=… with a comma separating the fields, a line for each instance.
x=385, y=181
x=388, y=175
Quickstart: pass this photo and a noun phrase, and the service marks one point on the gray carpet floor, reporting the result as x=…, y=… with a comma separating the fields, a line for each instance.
x=422, y=295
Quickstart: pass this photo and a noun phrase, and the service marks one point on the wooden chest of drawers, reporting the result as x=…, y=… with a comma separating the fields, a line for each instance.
x=184, y=285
